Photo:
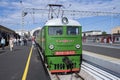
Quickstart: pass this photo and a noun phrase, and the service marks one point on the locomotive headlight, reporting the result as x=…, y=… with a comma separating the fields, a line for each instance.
x=51, y=46
x=65, y=20
x=77, y=46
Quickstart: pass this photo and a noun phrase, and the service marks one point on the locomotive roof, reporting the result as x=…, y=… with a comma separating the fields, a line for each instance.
x=58, y=22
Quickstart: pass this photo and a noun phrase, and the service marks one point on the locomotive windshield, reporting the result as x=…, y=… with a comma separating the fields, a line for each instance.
x=72, y=30
x=55, y=30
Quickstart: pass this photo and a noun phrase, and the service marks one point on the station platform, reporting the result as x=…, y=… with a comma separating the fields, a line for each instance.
x=23, y=63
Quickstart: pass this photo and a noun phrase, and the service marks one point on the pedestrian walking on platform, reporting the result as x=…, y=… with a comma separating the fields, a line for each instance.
x=11, y=44
x=3, y=43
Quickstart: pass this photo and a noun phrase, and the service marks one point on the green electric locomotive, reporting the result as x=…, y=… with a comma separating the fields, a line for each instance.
x=61, y=43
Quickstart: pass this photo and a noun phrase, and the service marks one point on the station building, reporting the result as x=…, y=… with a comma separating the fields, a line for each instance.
x=98, y=37
x=91, y=33
x=116, y=30
x=6, y=33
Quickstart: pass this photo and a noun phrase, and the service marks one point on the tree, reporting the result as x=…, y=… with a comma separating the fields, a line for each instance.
x=103, y=33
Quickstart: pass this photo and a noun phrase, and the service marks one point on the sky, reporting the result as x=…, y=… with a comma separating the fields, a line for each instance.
x=11, y=13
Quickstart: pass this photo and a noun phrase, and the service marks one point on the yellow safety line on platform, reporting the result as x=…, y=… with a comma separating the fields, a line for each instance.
x=27, y=65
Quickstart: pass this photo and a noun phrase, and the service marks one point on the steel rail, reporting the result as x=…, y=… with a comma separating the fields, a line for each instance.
x=79, y=76
x=98, y=73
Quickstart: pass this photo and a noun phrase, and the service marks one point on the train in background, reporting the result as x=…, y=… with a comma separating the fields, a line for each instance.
x=60, y=41
x=6, y=33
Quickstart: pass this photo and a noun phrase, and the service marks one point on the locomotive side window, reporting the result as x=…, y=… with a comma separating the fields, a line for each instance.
x=72, y=30
x=55, y=30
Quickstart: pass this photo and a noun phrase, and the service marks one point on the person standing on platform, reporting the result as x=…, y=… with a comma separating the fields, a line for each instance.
x=33, y=41
x=11, y=44
x=18, y=41
x=25, y=41
x=3, y=43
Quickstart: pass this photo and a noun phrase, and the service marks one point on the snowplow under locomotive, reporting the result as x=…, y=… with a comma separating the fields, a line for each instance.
x=61, y=45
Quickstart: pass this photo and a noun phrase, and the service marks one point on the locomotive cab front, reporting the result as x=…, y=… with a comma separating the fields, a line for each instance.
x=63, y=45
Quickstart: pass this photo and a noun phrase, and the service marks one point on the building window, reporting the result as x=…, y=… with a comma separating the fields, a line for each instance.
x=117, y=39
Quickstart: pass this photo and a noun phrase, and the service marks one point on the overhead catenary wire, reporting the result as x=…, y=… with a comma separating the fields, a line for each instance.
x=74, y=14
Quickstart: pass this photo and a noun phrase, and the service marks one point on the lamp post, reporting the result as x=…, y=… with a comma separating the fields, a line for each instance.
x=112, y=40
x=22, y=19
x=23, y=14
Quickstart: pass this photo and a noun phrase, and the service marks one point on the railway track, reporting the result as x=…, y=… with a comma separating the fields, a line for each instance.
x=98, y=73
x=74, y=76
